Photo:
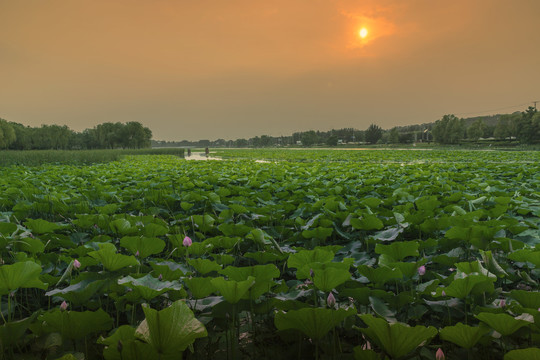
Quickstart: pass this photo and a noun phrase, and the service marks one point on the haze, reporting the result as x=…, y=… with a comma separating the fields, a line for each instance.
x=232, y=69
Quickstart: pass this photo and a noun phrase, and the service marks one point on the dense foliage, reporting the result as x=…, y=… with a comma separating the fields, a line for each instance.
x=39, y=157
x=131, y=135
x=362, y=256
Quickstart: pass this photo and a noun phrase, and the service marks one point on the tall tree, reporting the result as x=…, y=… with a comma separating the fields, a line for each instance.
x=476, y=130
x=7, y=134
x=373, y=133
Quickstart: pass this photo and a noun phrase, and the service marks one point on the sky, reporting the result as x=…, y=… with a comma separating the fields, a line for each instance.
x=212, y=69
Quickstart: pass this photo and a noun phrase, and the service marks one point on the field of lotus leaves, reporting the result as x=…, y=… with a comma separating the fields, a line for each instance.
x=318, y=254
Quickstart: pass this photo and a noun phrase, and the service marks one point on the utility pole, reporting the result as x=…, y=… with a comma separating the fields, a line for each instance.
x=534, y=102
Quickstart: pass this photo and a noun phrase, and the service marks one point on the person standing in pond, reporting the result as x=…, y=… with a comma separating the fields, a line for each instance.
x=206, y=151
x=188, y=152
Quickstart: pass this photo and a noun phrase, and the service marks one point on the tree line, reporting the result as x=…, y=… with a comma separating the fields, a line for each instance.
x=522, y=127
x=131, y=135
x=519, y=126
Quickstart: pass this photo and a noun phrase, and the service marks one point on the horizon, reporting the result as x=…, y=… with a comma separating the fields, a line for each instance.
x=192, y=71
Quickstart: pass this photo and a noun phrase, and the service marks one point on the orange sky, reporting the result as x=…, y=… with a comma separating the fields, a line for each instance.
x=213, y=69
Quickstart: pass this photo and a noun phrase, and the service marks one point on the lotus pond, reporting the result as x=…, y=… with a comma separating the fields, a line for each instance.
x=372, y=255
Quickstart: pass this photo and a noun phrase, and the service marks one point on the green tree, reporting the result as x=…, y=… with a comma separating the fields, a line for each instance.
x=310, y=138
x=7, y=134
x=476, y=130
x=373, y=134
x=448, y=130
x=332, y=140
x=394, y=136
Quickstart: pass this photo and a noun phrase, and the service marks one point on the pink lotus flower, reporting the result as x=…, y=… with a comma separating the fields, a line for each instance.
x=439, y=355
x=331, y=300
x=160, y=277
x=187, y=241
x=137, y=253
x=502, y=303
x=63, y=306
x=443, y=293
x=421, y=270
x=76, y=264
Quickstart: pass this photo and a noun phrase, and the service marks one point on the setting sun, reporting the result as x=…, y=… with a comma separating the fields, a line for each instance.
x=363, y=33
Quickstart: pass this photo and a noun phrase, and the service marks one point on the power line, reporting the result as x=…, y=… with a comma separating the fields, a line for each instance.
x=499, y=109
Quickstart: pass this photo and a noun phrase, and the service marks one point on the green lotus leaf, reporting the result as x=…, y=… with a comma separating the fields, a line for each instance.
x=204, y=266
x=304, y=257
x=528, y=299
x=390, y=234
x=259, y=272
x=329, y=278
x=305, y=271
x=169, y=270
x=380, y=275
x=523, y=354
x=463, y=335
x=148, y=286
x=122, y=227
x=263, y=275
x=146, y=246
x=503, y=323
x=110, y=259
x=263, y=257
x=474, y=267
x=203, y=222
x=13, y=331
x=132, y=347
x=171, y=330
x=359, y=294
x=40, y=226
x=79, y=293
x=200, y=287
x=30, y=245
x=315, y=323
x=365, y=354
x=381, y=308
x=20, y=275
x=320, y=233
x=367, y=222
x=234, y=229
x=152, y=230
x=398, y=250
x=470, y=284
x=492, y=264
x=232, y=290
x=76, y=325
x=7, y=229
x=526, y=255
x=397, y=340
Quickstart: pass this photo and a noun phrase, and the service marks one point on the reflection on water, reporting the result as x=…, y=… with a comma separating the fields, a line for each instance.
x=200, y=156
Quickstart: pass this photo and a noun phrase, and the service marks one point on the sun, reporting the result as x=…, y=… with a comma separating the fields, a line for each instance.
x=363, y=33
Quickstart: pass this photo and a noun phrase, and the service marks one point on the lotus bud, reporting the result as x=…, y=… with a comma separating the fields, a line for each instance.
x=311, y=273
x=439, y=355
x=331, y=300
x=187, y=241
x=160, y=277
x=422, y=270
x=502, y=303
x=137, y=253
x=443, y=293
x=63, y=306
x=76, y=264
